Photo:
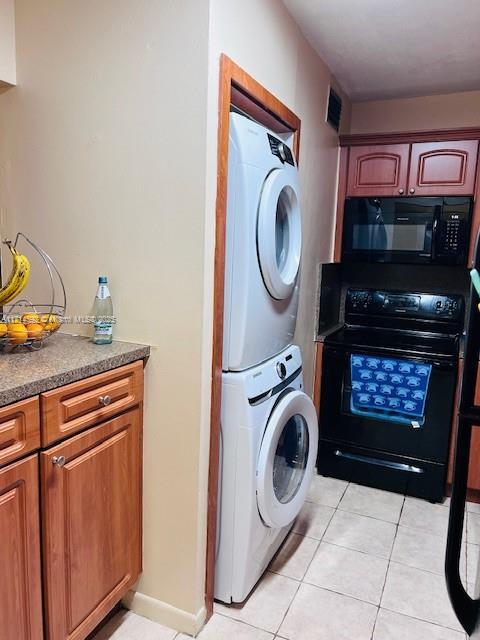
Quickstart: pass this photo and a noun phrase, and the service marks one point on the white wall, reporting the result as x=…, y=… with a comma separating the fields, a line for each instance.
x=263, y=39
x=445, y=111
x=7, y=42
x=102, y=161
x=108, y=160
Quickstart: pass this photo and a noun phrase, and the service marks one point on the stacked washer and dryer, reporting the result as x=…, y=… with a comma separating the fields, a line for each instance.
x=269, y=433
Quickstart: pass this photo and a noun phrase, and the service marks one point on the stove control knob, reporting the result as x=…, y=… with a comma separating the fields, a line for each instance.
x=281, y=370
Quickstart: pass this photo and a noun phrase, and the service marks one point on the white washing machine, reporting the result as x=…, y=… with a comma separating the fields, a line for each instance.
x=263, y=246
x=268, y=452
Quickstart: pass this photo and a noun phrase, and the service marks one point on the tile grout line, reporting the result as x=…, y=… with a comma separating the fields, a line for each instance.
x=435, y=624
x=246, y=624
x=388, y=566
x=431, y=572
x=365, y=553
x=306, y=570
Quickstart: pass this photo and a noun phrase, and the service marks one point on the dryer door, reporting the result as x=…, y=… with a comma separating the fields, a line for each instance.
x=287, y=459
x=279, y=232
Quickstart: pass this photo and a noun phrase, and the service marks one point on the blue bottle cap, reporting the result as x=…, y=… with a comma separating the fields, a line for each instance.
x=102, y=279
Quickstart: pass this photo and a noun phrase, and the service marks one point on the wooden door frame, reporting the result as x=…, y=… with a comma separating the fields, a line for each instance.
x=244, y=92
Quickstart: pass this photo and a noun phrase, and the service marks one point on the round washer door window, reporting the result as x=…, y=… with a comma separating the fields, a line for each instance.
x=279, y=233
x=287, y=458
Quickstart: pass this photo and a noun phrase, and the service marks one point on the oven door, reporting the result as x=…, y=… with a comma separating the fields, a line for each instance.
x=424, y=435
x=399, y=230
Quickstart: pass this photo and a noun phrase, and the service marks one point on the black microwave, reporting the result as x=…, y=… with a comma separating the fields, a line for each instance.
x=424, y=230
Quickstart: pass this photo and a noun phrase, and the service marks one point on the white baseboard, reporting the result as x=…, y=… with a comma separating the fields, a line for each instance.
x=164, y=613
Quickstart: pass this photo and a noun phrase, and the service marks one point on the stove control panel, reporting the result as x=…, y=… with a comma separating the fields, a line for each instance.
x=413, y=305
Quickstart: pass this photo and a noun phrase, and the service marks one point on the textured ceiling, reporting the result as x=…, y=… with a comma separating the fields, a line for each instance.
x=395, y=48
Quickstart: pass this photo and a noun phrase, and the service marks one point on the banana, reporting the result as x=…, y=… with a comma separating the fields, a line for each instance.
x=19, y=276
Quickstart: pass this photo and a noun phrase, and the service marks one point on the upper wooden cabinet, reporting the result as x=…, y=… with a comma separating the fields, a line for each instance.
x=443, y=168
x=424, y=168
x=91, y=497
x=20, y=577
x=378, y=170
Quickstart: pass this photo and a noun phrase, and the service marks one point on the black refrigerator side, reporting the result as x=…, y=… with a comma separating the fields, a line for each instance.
x=467, y=609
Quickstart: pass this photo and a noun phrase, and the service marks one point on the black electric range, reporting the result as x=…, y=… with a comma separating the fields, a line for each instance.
x=388, y=385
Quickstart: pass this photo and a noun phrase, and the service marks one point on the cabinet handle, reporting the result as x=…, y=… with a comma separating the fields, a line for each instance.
x=412, y=190
x=104, y=400
x=401, y=191
x=59, y=461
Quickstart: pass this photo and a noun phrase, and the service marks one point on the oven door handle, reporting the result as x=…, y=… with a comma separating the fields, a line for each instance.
x=398, y=466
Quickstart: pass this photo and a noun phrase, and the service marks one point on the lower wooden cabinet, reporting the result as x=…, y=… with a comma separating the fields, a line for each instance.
x=20, y=575
x=71, y=514
x=91, y=500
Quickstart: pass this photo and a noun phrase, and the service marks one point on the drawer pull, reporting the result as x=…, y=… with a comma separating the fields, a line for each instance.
x=104, y=400
x=398, y=466
x=59, y=461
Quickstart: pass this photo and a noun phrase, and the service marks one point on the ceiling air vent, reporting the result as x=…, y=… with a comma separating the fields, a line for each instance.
x=334, y=111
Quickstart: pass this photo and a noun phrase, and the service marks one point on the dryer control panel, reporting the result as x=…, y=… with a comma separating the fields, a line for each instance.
x=281, y=150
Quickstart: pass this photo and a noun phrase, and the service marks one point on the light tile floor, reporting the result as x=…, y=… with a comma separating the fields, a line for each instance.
x=359, y=564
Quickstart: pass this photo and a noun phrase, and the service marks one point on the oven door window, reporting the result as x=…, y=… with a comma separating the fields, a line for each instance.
x=390, y=389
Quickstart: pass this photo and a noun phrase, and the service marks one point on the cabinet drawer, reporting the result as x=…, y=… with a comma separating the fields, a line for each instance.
x=19, y=429
x=82, y=404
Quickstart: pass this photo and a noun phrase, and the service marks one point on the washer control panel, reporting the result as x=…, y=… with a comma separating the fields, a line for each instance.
x=281, y=370
x=270, y=377
x=414, y=305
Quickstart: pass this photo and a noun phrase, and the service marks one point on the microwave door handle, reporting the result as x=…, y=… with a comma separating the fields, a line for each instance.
x=436, y=217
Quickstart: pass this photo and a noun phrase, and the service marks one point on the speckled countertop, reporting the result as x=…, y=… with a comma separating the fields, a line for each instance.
x=61, y=360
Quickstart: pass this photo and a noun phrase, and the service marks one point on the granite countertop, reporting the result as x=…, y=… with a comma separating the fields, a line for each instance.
x=61, y=360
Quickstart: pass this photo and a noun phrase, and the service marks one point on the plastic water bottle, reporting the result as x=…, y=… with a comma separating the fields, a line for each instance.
x=103, y=313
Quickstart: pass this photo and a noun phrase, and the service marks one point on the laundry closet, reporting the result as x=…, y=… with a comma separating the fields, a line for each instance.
x=269, y=431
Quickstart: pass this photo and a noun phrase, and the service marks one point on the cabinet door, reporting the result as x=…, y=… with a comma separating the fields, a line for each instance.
x=378, y=170
x=20, y=578
x=443, y=168
x=91, y=490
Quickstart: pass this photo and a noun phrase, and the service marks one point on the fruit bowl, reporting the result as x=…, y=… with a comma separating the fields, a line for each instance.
x=23, y=323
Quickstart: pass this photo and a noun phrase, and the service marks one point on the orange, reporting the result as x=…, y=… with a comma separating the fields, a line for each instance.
x=50, y=322
x=3, y=329
x=30, y=318
x=35, y=331
x=17, y=332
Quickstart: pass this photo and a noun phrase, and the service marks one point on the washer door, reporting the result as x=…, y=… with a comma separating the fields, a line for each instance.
x=279, y=233
x=287, y=458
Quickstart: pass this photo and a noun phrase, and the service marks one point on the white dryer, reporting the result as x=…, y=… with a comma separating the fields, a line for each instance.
x=268, y=452
x=263, y=246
